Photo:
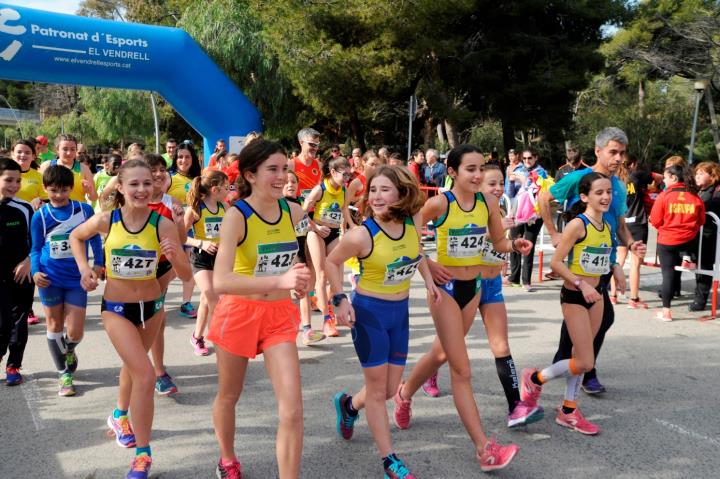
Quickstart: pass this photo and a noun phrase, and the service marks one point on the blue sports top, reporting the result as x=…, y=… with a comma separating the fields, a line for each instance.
x=50, y=253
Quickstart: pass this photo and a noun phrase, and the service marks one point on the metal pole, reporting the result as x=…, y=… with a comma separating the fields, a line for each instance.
x=699, y=90
x=157, y=125
x=411, y=115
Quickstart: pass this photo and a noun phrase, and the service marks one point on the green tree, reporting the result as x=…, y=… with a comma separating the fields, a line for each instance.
x=662, y=131
x=357, y=60
x=116, y=115
x=231, y=33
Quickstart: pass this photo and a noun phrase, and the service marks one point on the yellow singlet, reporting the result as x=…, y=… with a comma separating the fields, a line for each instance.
x=77, y=193
x=268, y=249
x=329, y=208
x=132, y=255
x=179, y=187
x=31, y=186
x=461, y=234
x=391, y=262
x=207, y=228
x=591, y=255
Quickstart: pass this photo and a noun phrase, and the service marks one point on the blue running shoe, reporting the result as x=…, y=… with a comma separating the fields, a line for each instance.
x=13, y=376
x=140, y=467
x=397, y=469
x=345, y=423
x=121, y=428
x=164, y=385
x=593, y=386
x=188, y=310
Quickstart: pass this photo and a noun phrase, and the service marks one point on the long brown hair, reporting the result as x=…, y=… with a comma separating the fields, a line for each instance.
x=201, y=187
x=409, y=199
x=119, y=201
x=251, y=157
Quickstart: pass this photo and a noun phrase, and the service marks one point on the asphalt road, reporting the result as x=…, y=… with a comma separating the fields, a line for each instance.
x=658, y=417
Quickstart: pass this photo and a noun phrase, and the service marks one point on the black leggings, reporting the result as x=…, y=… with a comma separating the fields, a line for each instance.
x=530, y=233
x=671, y=256
x=15, y=303
x=565, y=347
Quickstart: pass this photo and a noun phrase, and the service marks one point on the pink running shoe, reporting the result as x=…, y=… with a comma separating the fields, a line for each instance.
x=32, y=319
x=430, y=387
x=496, y=456
x=403, y=410
x=524, y=414
x=529, y=391
x=576, y=421
x=230, y=471
x=198, y=345
x=637, y=303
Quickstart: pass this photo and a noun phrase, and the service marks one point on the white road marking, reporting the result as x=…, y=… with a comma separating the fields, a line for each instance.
x=33, y=396
x=686, y=432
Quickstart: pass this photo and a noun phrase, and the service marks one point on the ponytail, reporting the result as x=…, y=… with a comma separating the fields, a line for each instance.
x=201, y=187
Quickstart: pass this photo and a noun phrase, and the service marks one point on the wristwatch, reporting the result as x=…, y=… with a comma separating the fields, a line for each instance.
x=337, y=299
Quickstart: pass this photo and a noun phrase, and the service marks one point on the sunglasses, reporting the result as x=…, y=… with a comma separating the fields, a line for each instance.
x=312, y=145
x=527, y=157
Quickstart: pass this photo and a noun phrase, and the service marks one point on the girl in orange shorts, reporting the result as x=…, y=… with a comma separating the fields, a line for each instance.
x=255, y=271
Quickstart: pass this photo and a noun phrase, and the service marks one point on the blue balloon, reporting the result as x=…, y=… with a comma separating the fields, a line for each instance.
x=55, y=48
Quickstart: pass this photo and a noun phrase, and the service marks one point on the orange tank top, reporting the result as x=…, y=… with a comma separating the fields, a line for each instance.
x=308, y=177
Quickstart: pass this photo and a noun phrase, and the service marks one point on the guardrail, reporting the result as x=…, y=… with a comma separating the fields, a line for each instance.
x=713, y=273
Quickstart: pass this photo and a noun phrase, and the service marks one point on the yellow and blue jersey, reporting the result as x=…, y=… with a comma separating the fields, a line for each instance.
x=132, y=255
x=392, y=262
x=328, y=208
x=591, y=255
x=461, y=234
x=268, y=249
x=207, y=227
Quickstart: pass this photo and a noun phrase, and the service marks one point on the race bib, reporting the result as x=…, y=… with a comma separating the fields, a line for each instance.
x=465, y=242
x=332, y=217
x=595, y=260
x=60, y=246
x=275, y=258
x=401, y=270
x=302, y=227
x=212, y=227
x=488, y=253
x=133, y=263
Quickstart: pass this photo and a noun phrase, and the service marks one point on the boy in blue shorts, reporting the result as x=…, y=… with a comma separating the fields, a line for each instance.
x=56, y=273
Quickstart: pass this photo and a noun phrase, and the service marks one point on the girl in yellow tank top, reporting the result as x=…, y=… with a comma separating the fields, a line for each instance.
x=388, y=247
x=84, y=186
x=329, y=199
x=31, y=186
x=185, y=167
x=204, y=215
x=254, y=274
x=586, y=241
x=132, y=301
x=465, y=219
x=494, y=314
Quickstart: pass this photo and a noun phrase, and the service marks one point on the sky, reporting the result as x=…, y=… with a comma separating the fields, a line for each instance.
x=59, y=6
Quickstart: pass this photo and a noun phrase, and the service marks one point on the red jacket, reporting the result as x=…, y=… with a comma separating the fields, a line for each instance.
x=677, y=214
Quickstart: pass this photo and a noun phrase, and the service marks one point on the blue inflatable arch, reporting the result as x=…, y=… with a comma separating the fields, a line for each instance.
x=55, y=48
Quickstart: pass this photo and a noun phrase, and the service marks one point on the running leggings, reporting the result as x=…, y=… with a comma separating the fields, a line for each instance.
x=565, y=347
x=15, y=303
x=671, y=256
